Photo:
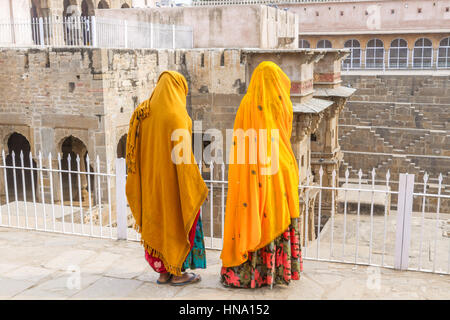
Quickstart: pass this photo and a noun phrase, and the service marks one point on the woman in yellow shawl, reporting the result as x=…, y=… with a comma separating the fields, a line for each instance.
x=261, y=237
x=164, y=186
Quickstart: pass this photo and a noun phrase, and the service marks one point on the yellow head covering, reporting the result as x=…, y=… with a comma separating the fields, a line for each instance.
x=164, y=197
x=260, y=205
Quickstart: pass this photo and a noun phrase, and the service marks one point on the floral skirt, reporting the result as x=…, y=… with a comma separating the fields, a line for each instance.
x=196, y=259
x=277, y=263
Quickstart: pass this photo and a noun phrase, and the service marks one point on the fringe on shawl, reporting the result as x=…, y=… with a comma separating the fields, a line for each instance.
x=142, y=112
x=155, y=253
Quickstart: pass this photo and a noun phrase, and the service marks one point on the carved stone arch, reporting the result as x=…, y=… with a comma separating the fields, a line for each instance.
x=87, y=8
x=23, y=130
x=103, y=4
x=72, y=147
x=36, y=9
x=121, y=150
x=69, y=6
x=19, y=181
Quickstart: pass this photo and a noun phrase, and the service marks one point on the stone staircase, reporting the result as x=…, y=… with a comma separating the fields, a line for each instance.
x=364, y=139
x=399, y=123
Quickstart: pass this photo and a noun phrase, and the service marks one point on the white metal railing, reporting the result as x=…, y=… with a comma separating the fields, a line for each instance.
x=56, y=195
x=357, y=221
x=358, y=59
x=365, y=226
x=247, y=2
x=94, y=32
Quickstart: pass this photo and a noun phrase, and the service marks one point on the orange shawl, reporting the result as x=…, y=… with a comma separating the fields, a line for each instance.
x=260, y=205
x=164, y=196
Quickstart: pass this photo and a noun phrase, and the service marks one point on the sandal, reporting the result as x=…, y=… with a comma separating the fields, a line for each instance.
x=165, y=282
x=193, y=279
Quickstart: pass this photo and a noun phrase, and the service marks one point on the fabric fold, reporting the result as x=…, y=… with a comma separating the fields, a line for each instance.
x=263, y=173
x=164, y=194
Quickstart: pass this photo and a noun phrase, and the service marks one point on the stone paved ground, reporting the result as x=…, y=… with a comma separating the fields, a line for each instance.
x=37, y=265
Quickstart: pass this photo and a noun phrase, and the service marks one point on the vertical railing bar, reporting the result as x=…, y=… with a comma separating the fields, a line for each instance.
x=63, y=32
x=437, y=221
x=59, y=28
x=80, y=199
x=371, y=215
x=57, y=32
x=63, y=220
x=100, y=217
x=422, y=224
x=50, y=176
x=48, y=30
x=13, y=155
x=386, y=202
x=88, y=170
x=307, y=213
x=69, y=32
x=87, y=30
x=108, y=181
x=83, y=31
x=121, y=200
x=72, y=33
x=345, y=214
x=358, y=215
x=333, y=183
x=201, y=207
x=320, y=211
x=33, y=189
x=42, y=190
x=69, y=166
x=33, y=29
x=24, y=189
x=93, y=27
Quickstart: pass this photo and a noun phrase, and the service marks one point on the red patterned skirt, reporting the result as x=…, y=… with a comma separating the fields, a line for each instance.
x=277, y=263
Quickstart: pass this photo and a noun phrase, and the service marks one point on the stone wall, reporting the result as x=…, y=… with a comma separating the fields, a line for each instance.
x=252, y=26
x=352, y=17
x=398, y=122
x=51, y=94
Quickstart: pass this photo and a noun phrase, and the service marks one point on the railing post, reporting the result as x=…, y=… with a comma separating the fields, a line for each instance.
x=151, y=35
x=41, y=31
x=121, y=200
x=173, y=36
x=93, y=30
x=125, y=27
x=403, y=228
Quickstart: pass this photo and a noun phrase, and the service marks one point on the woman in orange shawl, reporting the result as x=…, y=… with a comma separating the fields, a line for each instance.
x=164, y=186
x=262, y=233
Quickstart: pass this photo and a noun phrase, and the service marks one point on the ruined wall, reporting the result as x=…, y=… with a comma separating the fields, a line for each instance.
x=252, y=26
